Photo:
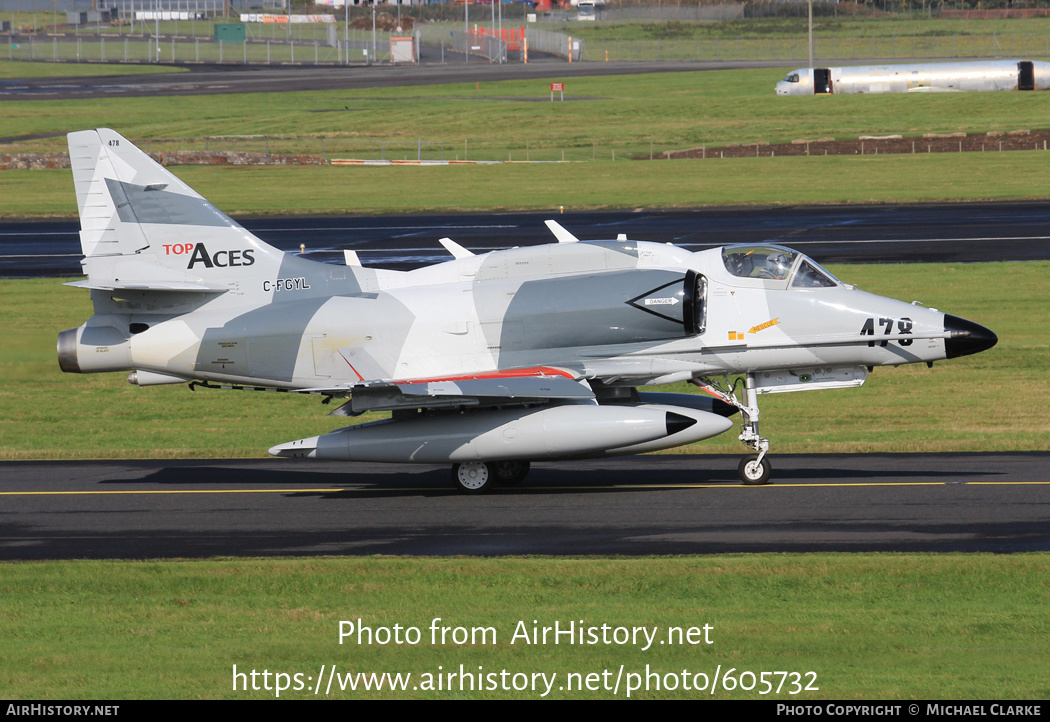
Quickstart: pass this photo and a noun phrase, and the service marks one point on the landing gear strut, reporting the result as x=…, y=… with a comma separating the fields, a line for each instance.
x=753, y=469
x=510, y=472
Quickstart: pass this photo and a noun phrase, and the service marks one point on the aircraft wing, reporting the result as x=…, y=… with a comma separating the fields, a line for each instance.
x=496, y=388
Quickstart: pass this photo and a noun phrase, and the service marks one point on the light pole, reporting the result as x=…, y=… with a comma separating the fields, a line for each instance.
x=810, y=4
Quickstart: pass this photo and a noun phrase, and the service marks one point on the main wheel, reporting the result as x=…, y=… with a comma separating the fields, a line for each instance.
x=473, y=477
x=510, y=472
x=752, y=472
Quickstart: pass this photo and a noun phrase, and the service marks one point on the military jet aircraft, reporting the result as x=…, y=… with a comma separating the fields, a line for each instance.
x=487, y=362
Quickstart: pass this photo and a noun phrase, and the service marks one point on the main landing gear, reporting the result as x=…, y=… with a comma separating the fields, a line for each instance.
x=478, y=477
x=754, y=469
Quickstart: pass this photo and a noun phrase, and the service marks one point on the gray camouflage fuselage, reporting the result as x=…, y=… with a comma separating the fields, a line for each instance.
x=569, y=305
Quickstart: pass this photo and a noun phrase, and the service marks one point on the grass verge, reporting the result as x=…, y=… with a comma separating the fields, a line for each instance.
x=625, y=113
x=10, y=69
x=292, y=190
x=868, y=626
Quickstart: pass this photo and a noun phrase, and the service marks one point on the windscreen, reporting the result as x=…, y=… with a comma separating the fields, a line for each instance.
x=810, y=275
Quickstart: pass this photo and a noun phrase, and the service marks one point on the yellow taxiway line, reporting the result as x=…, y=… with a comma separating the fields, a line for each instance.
x=328, y=490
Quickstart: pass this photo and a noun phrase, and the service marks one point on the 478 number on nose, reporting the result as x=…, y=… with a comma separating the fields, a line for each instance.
x=903, y=328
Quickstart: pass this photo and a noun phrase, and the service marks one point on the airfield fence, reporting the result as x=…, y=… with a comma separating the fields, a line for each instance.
x=183, y=50
x=401, y=150
x=477, y=45
x=306, y=150
x=1024, y=45
x=359, y=48
x=722, y=12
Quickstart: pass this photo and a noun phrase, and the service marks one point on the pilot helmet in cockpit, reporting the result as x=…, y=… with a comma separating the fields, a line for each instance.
x=778, y=265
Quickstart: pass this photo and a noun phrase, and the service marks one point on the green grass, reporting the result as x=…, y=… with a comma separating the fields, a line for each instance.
x=51, y=415
x=874, y=627
x=623, y=118
x=625, y=113
x=265, y=190
x=12, y=69
x=833, y=49
x=824, y=26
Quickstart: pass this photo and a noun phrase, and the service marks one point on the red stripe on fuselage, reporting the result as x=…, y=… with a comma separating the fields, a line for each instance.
x=537, y=371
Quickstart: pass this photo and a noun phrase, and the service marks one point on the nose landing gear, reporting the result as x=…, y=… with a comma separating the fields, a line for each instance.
x=753, y=469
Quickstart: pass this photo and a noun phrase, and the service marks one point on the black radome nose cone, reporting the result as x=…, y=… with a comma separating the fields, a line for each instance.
x=966, y=337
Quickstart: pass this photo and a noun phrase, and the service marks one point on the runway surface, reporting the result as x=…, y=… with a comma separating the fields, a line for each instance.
x=638, y=505
x=216, y=79
x=961, y=232
x=224, y=79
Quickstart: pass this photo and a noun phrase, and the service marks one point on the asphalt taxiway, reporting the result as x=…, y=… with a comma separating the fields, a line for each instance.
x=227, y=78
x=948, y=232
x=224, y=79
x=663, y=504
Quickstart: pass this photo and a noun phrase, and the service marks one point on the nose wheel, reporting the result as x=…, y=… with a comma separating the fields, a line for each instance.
x=754, y=470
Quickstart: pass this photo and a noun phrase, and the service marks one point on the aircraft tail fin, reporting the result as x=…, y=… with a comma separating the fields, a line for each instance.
x=142, y=227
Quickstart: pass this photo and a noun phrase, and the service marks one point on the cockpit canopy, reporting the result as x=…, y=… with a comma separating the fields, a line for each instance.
x=776, y=263
x=791, y=78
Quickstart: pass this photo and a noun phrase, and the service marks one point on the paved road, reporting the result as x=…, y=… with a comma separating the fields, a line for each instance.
x=967, y=232
x=638, y=505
